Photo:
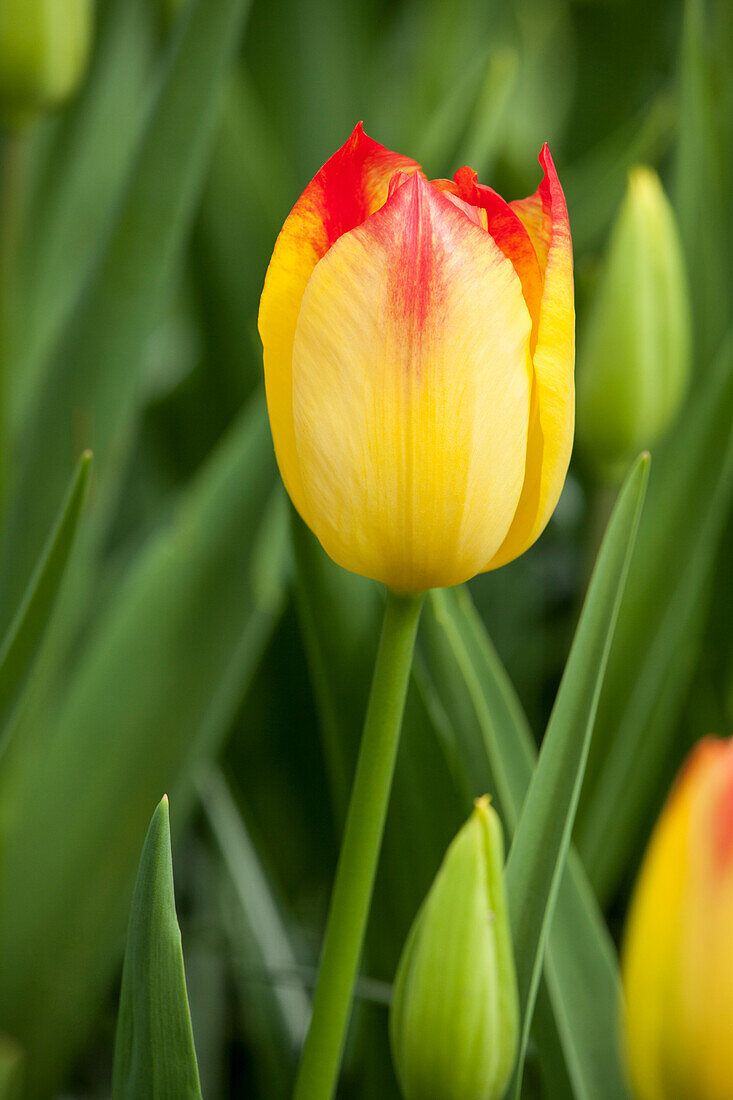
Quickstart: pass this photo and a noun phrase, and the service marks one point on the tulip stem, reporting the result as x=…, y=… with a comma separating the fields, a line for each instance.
x=357, y=865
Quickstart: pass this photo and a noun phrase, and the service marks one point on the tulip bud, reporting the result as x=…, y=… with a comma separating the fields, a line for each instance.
x=44, y=46
x=454, y=1019
x=677, y=962
x=419, y=347
x=635, y=361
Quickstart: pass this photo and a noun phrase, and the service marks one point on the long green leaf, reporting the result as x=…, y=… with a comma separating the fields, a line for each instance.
x=703, y=181
x=20, y=645
x=154, y=1049
x=79, y=180
x=594, y=186
x=248, y=194
x=485, y=131
x=661, y=618
x=86, y=397
x=262, y=938
x=159, y=674
x=542, y=836
x=494, y=750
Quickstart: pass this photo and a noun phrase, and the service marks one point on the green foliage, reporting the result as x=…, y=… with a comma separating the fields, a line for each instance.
x=545, y=825
x=168, y=624
x=154, y=1050
x=660, y=624
x=487, y=735
x=26, y=630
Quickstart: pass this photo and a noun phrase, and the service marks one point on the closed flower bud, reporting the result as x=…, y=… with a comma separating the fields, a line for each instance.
x=44, y=45
x=418, y=347
x=454, y=1018
x=635, y=355
x=677, y=963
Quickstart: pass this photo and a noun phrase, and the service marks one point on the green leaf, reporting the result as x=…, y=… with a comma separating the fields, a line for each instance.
x=248, y=194
x=660, y=622
x=703, y=181
x=542, y=836
x=594, y=186
x=435, y=147
x=80, y=178
x=260, y=938
x=485, y=129
x=86, y=397
x=154, y=1050
x=339, y=616
x=493, y=749
x=21, y=643
x=153, y=691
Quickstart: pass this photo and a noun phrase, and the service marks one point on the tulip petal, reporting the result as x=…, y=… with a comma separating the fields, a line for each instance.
x=545, y=217
x=411, y=389
x=350, y=186
x=509, y=232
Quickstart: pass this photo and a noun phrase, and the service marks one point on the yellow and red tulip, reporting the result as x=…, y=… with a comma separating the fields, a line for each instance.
x=419, y=348
x=677, y=961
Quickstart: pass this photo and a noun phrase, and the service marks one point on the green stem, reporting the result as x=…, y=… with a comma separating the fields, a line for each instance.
x=357, y=866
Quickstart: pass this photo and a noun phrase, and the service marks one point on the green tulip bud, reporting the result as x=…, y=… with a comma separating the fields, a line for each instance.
x=635, y=358
x=44, y=46
x=454, y=1018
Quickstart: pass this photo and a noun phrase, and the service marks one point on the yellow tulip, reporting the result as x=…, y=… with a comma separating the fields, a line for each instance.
x=419, y=348
x=677, y=963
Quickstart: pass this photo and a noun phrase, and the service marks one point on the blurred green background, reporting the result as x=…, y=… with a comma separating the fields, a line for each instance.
x=201, y=643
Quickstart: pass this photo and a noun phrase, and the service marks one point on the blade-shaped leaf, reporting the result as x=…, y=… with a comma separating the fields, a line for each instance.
x=86, y=396
x=542, y=836
x=703, y=181
x=154, y=1049
x=483, y=139
x=661, y=616
x=595, y=185
x=268, y=951
x=77, y=184
x=160, y=673
x=20, y=645
x=493, y=748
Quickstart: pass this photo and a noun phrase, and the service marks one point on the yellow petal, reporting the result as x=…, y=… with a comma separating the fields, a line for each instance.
x=677, y=962
x=411, y=389
x=350, y=186
x=550, y=439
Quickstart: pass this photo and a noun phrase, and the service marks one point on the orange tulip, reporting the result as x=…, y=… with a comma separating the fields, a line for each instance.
x=678, y=951
x=419, y=348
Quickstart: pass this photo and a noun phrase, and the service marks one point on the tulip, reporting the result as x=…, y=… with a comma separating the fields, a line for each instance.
x=418, y=349
x=454, y=1020
x=43, y=53
x=677, y=964
x=636, y=351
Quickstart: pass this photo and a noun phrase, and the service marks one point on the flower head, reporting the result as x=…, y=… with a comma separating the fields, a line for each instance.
x=677, y=963
x=419, y=346
x=44, y=49
x=636, y=353
x=454, y=1019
